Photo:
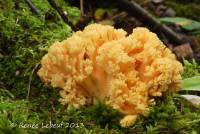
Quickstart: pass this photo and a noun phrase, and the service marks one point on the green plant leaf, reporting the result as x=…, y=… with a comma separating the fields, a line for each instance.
x=185, y=23
x=192, y=83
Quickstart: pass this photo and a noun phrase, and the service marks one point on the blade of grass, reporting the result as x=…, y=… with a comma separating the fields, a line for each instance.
x=192, y=84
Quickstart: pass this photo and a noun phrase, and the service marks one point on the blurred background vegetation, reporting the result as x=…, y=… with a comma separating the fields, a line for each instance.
x=25, y=37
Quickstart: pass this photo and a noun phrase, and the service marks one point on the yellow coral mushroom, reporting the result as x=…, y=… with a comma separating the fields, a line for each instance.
x=126, y=72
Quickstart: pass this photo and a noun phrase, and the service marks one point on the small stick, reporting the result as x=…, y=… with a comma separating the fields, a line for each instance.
x=120, y=15
x=135, y=9
x=30, y=80
x=81, y=7
x=62, y=14
x=32, y=7
x=8, y=92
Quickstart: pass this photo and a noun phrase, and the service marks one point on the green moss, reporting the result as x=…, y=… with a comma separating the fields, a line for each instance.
x=24, y=39
x=188, y=9
x=191, y=69
x=171, y=114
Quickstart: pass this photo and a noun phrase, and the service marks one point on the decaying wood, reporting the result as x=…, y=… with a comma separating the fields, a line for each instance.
x=183, y=51
x=140, y=13
x=62, y=14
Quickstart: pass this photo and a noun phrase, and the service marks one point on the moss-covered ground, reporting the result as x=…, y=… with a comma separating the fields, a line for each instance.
x=27, y=105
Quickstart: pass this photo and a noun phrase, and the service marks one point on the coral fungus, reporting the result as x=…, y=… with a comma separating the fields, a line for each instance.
x=126, y=72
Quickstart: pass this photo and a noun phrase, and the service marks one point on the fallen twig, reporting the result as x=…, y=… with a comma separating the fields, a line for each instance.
x=33, y=8
x=135, y=9
x=7, y=91
x=62, y=14
x=120, y=15
x=30, y=80
x=81, y=7
x=111, y=20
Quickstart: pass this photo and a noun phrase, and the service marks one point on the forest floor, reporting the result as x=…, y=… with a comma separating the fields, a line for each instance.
x=26, y=104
